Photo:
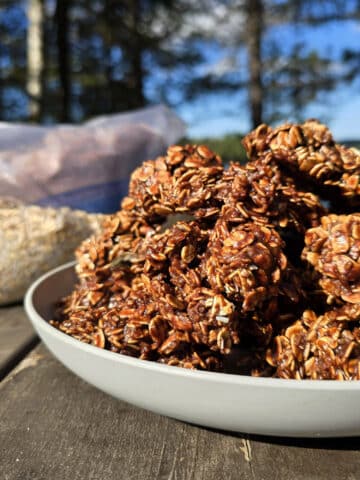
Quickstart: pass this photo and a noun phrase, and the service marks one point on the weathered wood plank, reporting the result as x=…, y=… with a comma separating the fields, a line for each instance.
x=55, y=426
x=331, y=459
x=16, y=337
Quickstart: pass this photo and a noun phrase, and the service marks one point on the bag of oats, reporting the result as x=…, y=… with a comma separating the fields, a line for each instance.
x=34, y=239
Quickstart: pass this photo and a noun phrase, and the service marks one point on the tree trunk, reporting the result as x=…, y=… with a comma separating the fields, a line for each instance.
x=110, y=103
x=255, y=26
x=35, y=58
x=63, y=56
x=135, y=53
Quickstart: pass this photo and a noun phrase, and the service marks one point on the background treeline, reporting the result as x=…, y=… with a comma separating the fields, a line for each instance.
x=68, y=60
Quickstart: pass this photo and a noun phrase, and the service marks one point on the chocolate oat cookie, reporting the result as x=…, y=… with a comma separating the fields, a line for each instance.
x=325, y=347
x=310, y=153
x=333, y=249
x=212, y=268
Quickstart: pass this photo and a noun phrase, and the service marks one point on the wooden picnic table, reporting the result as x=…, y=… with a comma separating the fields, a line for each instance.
x=54, y=426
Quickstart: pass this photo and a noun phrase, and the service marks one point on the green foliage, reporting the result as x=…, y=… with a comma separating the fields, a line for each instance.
x=352, y=143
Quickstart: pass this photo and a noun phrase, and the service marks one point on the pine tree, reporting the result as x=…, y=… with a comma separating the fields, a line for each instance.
x=279, y=79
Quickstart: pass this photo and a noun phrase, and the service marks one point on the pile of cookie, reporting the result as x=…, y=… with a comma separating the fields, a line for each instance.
x=251, y=269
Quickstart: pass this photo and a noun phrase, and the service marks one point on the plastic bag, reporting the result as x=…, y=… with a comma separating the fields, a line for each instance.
x=87, y=166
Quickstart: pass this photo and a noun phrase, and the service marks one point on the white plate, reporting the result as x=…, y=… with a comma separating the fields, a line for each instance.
x=231, y=402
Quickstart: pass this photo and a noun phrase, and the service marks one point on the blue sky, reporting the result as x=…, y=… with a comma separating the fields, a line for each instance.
x=222, y=114
x=219, y=114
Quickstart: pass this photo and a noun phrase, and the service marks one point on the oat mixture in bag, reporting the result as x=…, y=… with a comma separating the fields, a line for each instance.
x=33, y=240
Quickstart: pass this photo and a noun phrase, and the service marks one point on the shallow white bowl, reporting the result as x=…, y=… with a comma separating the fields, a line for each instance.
x=231, y=402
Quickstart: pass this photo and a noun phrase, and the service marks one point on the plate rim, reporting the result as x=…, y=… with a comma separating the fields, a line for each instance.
x=217, y=377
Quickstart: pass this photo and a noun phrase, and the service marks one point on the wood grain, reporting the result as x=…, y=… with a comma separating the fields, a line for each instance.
x=16, y=337
x=55, y=426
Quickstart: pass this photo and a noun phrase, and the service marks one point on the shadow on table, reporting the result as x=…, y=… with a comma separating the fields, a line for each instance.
x=339, y=443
